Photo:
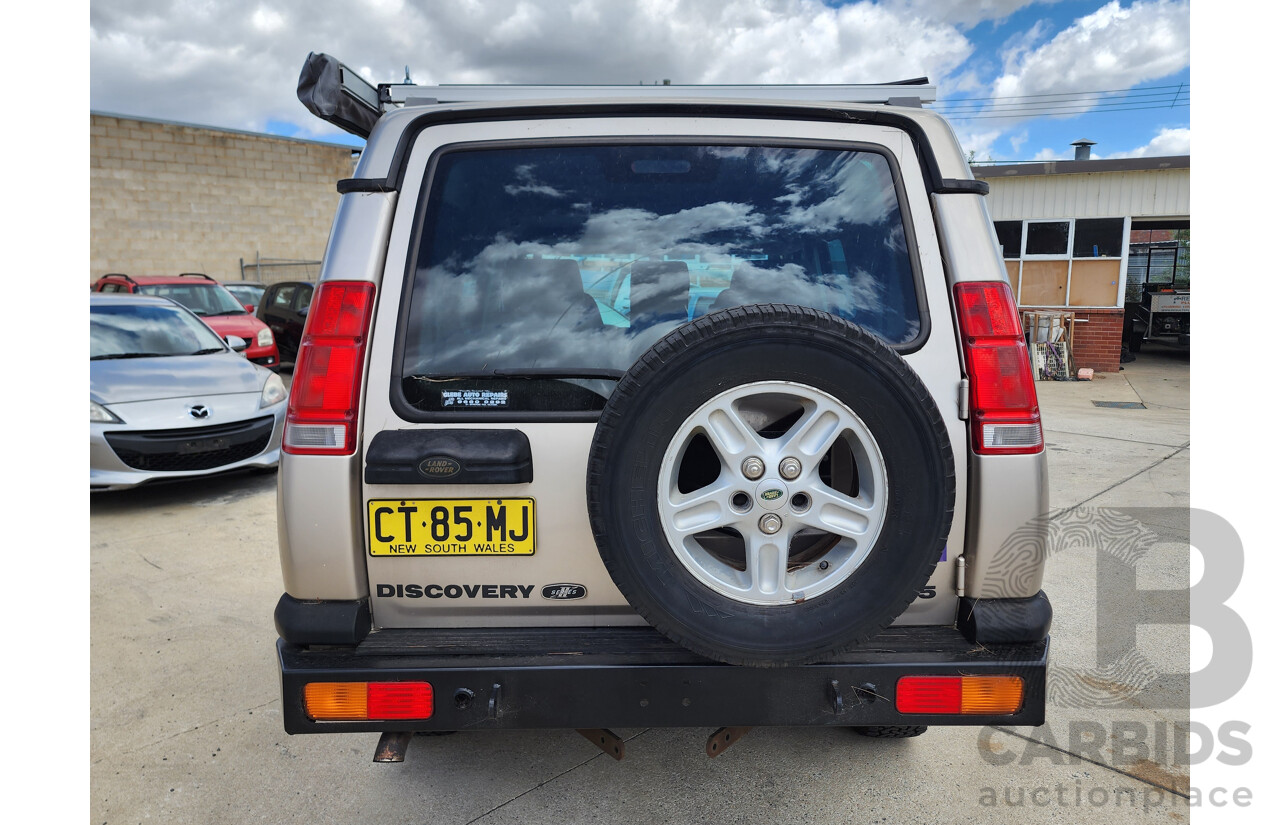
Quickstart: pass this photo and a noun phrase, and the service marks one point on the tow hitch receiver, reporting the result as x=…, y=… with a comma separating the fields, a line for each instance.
x=719, y=742
x=606, y=740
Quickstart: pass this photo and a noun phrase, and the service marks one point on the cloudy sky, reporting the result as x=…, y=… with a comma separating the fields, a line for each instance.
x=1021, y=79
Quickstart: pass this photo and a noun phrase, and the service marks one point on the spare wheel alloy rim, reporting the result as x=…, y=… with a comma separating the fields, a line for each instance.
x=772, y=493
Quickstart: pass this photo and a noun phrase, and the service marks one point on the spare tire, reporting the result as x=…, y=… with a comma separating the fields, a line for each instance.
x=770, y=485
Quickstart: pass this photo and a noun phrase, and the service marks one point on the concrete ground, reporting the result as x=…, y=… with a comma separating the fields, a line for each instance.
x=185, y=714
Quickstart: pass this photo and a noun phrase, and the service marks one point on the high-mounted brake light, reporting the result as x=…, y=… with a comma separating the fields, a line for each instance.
x=353, y=701
x=325, y=395
x=1003, y=410
x=987, y=695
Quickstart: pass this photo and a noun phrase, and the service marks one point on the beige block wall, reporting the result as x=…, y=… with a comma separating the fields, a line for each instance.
x=166, y=198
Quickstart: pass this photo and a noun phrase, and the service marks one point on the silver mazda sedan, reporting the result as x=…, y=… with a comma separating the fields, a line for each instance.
x=169, y=399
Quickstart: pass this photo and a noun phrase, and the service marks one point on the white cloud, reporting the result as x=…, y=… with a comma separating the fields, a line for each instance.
x=268, y=20
x=977, y=143
x=235, y=63
x=1167, y=142
x=1053, y=154
x=968, y=12
x=1021, y=44
x=1114, y=48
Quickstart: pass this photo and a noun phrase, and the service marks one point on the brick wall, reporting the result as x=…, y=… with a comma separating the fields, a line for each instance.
x=166, y=198
x=1098, y=335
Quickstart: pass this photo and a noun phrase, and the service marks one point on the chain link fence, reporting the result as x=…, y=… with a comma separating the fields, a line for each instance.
x=274, y=270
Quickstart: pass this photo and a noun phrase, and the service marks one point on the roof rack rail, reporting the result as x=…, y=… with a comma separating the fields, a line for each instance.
x=195, y=275
x=336, y=93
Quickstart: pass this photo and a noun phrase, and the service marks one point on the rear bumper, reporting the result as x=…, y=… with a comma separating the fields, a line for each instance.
x=494, y=678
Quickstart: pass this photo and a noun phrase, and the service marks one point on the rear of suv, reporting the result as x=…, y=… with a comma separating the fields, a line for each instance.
x=208, y=299
x=631, y=409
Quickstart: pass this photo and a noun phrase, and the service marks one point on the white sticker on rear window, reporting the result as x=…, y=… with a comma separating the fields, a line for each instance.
x=473, y=398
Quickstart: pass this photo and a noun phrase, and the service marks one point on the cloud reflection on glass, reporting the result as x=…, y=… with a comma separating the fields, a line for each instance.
x=580, y=258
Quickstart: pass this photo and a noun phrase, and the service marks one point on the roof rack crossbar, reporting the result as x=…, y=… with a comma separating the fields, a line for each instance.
x=392, y=94
x=336, y=93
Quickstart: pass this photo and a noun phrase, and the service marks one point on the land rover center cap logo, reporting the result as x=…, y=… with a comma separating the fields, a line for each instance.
x=439, y=467
x=771, y=494
x=199, y=411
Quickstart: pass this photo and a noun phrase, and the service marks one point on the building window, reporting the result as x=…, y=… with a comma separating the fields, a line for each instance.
x=1009, y=234
x=1098, y=238
x=1064, y=263
x=1047, y=237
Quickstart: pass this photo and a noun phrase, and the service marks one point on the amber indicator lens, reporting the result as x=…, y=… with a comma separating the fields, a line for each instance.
x=988, y=695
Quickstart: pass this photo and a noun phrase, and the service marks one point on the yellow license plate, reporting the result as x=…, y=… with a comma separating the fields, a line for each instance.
x=451, y=527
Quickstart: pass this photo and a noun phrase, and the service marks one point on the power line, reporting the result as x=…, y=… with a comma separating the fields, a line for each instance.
x=1081, y=98
x=1052, y=104
x=1078, y=111
x=1060, y=94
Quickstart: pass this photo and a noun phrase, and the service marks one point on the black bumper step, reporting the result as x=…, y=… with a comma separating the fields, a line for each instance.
x=520, y=678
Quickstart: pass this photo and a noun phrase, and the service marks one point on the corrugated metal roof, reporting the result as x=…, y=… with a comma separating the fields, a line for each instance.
x=1079, y=167
x=1088, y=189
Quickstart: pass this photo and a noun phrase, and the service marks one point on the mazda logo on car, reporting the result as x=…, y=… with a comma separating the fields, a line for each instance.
x=198, y=411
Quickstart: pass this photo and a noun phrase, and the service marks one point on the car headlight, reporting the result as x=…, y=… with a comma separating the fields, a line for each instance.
x=101, y=414
x=274, y=392
x=264, y=337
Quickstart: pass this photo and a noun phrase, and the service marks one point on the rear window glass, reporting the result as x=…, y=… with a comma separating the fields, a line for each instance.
x=202, y=299
x=134, y=330
x=543, y=272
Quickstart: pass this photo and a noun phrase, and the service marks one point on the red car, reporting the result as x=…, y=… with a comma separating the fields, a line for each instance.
x=208, y=299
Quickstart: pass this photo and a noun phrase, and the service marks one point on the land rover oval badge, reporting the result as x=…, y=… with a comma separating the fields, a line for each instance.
x=771, y=495
x=438, y=466
x=563, y=592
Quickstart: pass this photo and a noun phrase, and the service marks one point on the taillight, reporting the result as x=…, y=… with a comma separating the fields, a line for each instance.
x=325, y=395
x=986, y=695
x=1003, y=411
x=352, y=701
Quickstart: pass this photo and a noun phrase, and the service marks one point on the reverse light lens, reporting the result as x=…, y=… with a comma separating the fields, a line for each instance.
x=265, y=338
x=987, y=695
x=1015, y=436
x=355, y=701
x=273, y=392
x=101, y=414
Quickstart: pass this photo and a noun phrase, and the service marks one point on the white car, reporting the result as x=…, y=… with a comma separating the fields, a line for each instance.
x=169, y=399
